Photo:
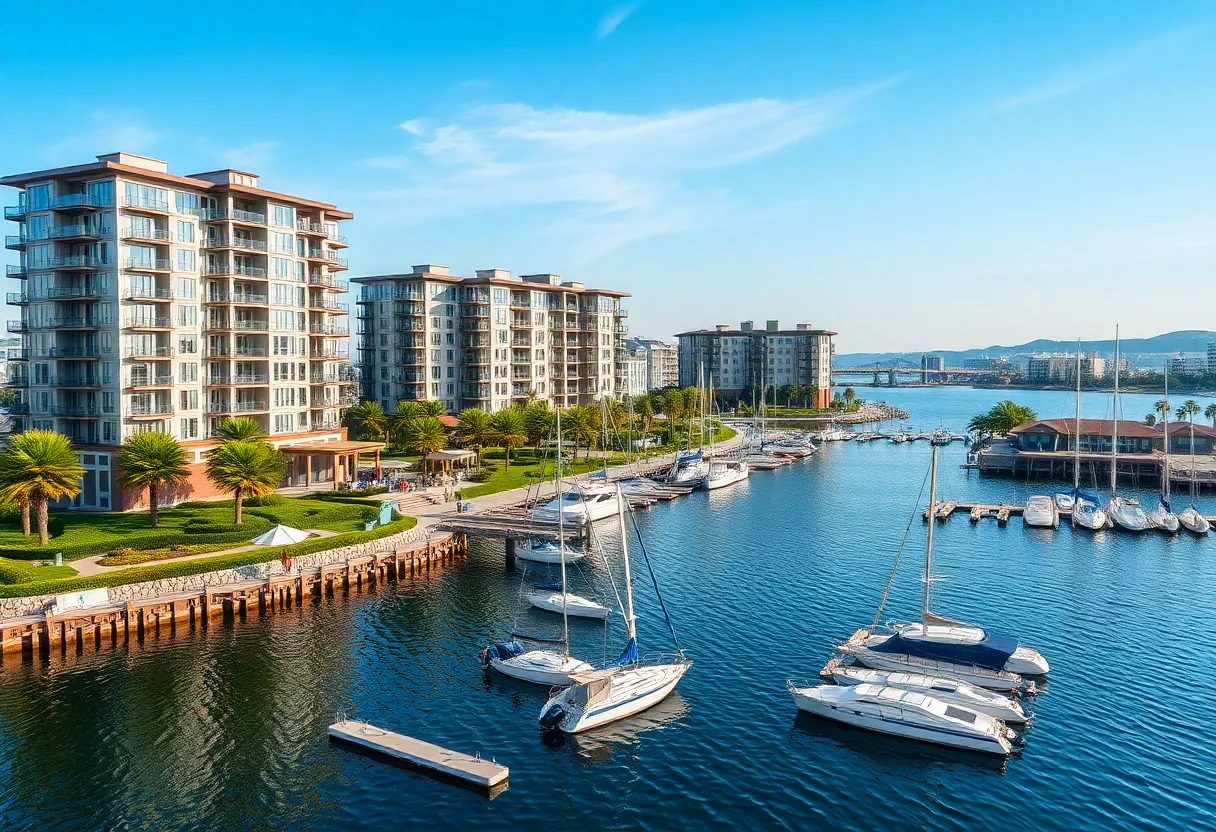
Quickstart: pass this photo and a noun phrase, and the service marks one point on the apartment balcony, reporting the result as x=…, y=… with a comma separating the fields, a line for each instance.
x=336, y=239
x=156, y=236
x=145, y=205
x=16, y=242
x=332, y=306
x=141, y=381
x=77, y=261
x=76, y=411
x=15, y=212
x=149, y=352
x=250, y=352
x=621, y=313
x=329, y=257
x=237, y=242
x=19, y=409
x=315, y=229
x=78, y=231
x=329, y=354
x=328, y=329
x=148, y=264
x=237, y=326
x=522, y=373
x=365, y=313
x=234, y=215
x=147, y=323
x=239, y=380
x=227, y=269
x=239, y=299
x=237, y=407
x=19, y=326
x=475, y=325
x=22, y=380
x=75, y=203
x=18, y=272
x=328, y=281
x=152, y=294
x=521, y=322
x=141, y=410
x=77, y=352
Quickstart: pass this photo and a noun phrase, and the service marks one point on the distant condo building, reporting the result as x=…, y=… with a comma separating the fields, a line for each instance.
x=741, y=361
x=489, y=340
x=986, y=364
x=931, y=362
x=635, y=373
x=1183, y=366
x=1062, y=368
x=662, y=362
x=157, y=302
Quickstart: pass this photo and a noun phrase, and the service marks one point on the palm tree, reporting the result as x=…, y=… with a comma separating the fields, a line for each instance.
x=234, y=429
x=509, y=427
x=39, y=466
x=424, y=435
x=1210, y=412
x=1150, y=419
x=538, y=423
x=430, y=408
x=673, y=409
x=368, y=420
x=1002, y=418
x=579, y=426
x=245, y=468
x=475, y=430
x=150, y=460
x=643, y=411
x=398, y=422
x=1192, y=409
x=849, y=396
x=1162, y=407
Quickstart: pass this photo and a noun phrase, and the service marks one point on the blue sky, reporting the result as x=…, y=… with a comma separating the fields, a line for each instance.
x=913, y=175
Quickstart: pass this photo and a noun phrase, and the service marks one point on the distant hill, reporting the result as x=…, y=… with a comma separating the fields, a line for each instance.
x=1140, y=352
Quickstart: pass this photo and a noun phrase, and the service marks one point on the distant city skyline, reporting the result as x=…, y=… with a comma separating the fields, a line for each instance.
x=911, y=176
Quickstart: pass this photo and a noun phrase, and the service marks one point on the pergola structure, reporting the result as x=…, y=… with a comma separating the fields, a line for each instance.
x=342, y=457
x=446, y=462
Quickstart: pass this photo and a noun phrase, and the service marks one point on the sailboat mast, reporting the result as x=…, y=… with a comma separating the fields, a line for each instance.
x=1165, y=428
x=631, y=629
x=924, y=613
x=1114, y=433
x=561, y=533
x=1076, y=440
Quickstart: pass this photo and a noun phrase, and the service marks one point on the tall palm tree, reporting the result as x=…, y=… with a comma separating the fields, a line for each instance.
x=398, y=422
x=1150, y=419
x=1210, y=412
x=39, y=466
x=538, y=423
x=245, y=468
x=579, y=425
x=368, y=420
x=673, y=409
x=151, y=460
x=237, y=428
x=424, y=435
x=475, y=430
x=1162, y=407
x=1192, y=409
x=431, y=408
x=509, y=427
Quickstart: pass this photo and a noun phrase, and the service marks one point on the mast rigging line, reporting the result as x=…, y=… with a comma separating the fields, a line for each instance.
x=653, y=580
x=900, y=552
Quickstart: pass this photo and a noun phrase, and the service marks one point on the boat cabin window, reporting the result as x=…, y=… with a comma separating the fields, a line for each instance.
x=960, y=714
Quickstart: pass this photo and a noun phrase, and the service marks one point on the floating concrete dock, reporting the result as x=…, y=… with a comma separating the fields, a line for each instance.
x=484, y=774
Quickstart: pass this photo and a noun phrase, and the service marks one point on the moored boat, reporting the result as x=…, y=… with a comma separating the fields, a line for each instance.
x=952, y=691
x=1040, y=512
x=1193, y=521
x=549, y=598
x=547, y=551
x=726, y=472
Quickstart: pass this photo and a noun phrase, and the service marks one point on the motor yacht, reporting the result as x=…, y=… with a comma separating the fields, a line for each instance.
x=951, y=691
x=1041, y=512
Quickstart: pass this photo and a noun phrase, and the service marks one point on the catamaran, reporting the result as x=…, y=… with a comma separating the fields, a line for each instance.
x=1124, y=512
x=626, y=686
x=1162, y=517
x=1086, y=511
x=905, y=713
x=950, y=691
x=542, y=666
x=938, y=646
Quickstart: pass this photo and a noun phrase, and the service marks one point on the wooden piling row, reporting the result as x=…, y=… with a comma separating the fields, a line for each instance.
x=119, y=621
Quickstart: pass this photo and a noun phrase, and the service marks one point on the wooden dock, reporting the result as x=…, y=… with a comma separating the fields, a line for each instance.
x=485, y=774
x=976, y=511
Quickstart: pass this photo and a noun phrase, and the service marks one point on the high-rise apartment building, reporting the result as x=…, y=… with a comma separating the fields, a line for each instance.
x=662, y=362
x=741, y=361
x=489, y=340
x=153, y=301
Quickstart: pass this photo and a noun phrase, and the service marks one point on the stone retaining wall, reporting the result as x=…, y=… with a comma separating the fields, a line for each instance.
x=35, y=604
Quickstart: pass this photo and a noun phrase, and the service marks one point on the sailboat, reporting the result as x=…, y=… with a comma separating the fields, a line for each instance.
x=1086, y=512
x=542, y=666
x=1124, y=512
x=1161, y=517
x=937, y=646
x=722, y=472
x=1191, y=519
x=625, y=687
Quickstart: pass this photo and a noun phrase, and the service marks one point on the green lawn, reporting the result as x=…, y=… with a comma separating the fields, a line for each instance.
x=78, y=534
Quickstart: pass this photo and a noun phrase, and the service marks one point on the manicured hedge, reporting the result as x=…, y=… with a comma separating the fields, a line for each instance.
x=196, y=567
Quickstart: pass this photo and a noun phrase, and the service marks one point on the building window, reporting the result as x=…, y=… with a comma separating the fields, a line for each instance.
x=283, y=216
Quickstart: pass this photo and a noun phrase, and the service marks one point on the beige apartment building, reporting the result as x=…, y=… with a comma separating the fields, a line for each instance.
x=488, y=340
x=153, y=301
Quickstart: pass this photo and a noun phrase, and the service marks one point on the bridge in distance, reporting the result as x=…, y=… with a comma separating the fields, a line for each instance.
x=901, y=367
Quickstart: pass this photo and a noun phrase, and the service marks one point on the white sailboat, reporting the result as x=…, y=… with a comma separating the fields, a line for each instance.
x=1124, y=512
x=1191, y=519
x=1162, y=518
x=628, y=686
x=1086, y=512
x=540, y=665
x=937, y=646
x=905, y=713
x=550, y=598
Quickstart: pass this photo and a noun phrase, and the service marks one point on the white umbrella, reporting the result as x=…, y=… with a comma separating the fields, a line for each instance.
x=280, y=535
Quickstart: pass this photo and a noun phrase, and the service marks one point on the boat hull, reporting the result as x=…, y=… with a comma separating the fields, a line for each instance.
x=1127, y=516
x=576, y=606
x=642, y=687
x=1194, y=522
x=1091, y=518
x=547, y=554
x=977, y=699
x=723, y=478
x=540, y=667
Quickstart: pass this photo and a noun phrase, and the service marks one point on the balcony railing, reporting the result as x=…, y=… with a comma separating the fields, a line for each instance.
x=235, y=215
x=239, y=297
x=151, y=409
x=140, y=203
x=156, y=235
x=148, y=352
x=321, y=303
x=148, y=323
x=14, y=240
x=76, y=410
x=14, y=212
x=223, y=241
x=147, y=263
x=152, y=293
x=329, y=354
x=328, y=329
x=165, y=380
x=255, y=352
x=240, y=271
x=318, y=279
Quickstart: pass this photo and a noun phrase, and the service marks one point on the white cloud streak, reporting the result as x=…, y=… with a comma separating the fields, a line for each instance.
x=625, y=175
x=1092, y=72
x=609, y=22
x=107, y=131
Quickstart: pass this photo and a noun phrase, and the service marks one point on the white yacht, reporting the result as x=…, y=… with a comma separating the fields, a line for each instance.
x=905, y=713
x=1041, y=512
x=580, y=505
x=726, y=472
x=950, y=691
x=549, y=598
x=539, y=666
x=547, y=551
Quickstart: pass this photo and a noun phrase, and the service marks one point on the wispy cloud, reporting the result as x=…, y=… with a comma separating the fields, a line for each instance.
x=1092, y=72
x=618, y=15
x=105, y=131
x=624, y=175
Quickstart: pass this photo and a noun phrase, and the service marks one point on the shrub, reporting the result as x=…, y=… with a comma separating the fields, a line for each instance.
x=370, y=491
x=11, y=573
x=268, y=500
x=479, y=476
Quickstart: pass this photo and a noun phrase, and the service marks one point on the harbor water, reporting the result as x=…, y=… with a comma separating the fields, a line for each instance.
x=225, y=729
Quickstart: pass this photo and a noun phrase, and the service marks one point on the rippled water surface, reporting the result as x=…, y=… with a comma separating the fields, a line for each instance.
x=225, y=728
